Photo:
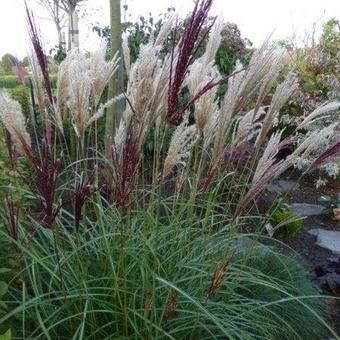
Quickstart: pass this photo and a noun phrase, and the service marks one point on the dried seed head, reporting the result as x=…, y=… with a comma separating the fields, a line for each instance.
x=218, y=276
x=180, y=147
x=14, y=121
x=170, y=306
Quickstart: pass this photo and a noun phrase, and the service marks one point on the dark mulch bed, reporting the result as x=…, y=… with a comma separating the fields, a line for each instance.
x=314, y=257
x=303, y=242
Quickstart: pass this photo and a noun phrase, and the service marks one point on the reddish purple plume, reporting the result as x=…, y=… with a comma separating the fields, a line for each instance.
x=126, y=166
x=19, y=69
x=331, y=152
x=12, y=210
x=46, y=170
x=82, y=190
x=187, y=47
x=42, y=60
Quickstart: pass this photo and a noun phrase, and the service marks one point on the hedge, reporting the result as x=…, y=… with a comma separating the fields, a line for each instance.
x=20, y=94
x=11, y=81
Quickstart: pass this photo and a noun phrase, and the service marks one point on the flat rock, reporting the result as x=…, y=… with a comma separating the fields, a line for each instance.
x=274, y=188
x=286, y=185
x=328, y=239
x=281, y=186
x=306, y=209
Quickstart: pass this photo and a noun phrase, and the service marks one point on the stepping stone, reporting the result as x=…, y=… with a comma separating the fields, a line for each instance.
x=282, y=186
x=305, y=209
x=274, y=188
x=328, y=239
x=287, y=185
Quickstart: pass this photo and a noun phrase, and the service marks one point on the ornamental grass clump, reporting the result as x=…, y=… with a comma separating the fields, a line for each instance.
x=150, y=242
x=14, y=121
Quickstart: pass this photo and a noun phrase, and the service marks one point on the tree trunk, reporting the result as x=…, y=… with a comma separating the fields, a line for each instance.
x=73, y=41
x=61, y=39
x=116, y=86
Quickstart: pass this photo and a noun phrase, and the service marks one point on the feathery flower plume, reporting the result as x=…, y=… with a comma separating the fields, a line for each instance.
x=82, y=190
x=147, y=89
x=79, y=91
x=273, y=72
x=247, y=127
x=331, y=152
x=19, y=70
x=63, y=81
x=37, y=80
x=280, y=97
x=243, y=86
x=201, y=72
x=12, y=210
x=268, y=168
x=14, y=121
x=202, y=69
x=186, y=51
x=126, y=158
x=47, y=173
x=81, y=82
x=102, y=108
x=101, y=71
x=268, y=161
x=325, y=108
x=12, y=154
x=39, y=52
x=180, y=147
x=313, y=142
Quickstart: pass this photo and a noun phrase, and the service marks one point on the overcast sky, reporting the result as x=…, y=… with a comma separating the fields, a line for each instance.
x=256, y=18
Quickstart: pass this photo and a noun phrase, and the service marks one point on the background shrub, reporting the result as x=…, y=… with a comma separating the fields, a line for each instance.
x=11, y=81
x=20, y=94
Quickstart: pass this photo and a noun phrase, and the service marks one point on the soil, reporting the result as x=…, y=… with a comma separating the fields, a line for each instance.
x=304, y=243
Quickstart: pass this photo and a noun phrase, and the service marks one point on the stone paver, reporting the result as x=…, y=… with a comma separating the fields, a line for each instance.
x=306, y=209
x=281, y=186
x=328, y=239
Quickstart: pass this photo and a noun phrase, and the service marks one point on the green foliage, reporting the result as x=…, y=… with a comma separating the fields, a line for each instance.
x=20, y=94
x=7, y=335
x=11, y=81
x=8, y=265
x=316, y=67
x=280, y=215
x=225, y=59
x=6, y=65
x=332, y=202
x=153, y=277
x=11, y=183
x=330, y=38
x=138, y=32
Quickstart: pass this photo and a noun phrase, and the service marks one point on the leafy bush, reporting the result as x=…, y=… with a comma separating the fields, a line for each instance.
x=12, y=81
x=284, y=221
x=332, y=202
x=9, y=81
x=317, y=69
x=20, y=94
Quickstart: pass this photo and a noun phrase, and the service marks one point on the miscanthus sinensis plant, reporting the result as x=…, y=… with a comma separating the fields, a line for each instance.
x=148, y=242
x=322, y=124
x=315, y=105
